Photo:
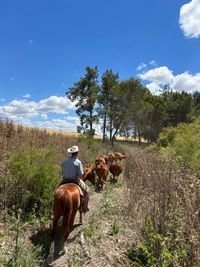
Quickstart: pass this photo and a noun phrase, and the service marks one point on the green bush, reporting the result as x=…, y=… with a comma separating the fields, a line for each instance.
x=183, y=142
x=156, y=250
x=90, y=142
x=166, y=137
x=33, y=179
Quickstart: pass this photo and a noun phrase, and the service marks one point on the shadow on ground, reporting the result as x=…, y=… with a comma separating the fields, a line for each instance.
x=42, y=239
x=53, y=249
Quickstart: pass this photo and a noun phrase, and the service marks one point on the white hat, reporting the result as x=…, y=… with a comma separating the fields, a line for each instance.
x=73, y=149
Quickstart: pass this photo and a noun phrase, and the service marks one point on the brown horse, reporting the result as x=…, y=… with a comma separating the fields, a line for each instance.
x=67, y=200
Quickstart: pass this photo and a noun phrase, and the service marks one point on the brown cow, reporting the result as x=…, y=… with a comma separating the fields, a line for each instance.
x=115, y=169
x=102, y=171
x=119, y=156
x=89, y=174
x=111, y=157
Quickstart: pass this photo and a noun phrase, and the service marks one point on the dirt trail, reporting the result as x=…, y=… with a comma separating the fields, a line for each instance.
x=56, y=260
x=105, y=235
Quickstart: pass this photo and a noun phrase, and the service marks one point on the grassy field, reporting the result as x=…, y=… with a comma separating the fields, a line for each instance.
x=98, y=137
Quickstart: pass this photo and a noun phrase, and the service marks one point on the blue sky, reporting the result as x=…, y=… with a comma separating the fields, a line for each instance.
x=47, y=44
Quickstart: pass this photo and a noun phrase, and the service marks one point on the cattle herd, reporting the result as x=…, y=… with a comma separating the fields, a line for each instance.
x=109, y=163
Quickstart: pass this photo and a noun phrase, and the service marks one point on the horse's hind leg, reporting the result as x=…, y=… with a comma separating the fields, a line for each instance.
x=71, y=222
x=55, y=223
x=65, y=230
x=81, y=217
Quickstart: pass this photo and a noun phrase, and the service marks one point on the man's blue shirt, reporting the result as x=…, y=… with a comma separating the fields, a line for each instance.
x=72, y=167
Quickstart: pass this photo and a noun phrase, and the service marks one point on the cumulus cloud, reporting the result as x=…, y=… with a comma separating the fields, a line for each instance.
x=154, y=88
x=186, y=82
x=161, y=76
x=54, y=104
x=18, y=108
x=190, y=19
x=30, y=109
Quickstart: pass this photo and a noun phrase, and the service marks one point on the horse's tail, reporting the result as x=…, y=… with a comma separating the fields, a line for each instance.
x=66, y=204
x=67, y=211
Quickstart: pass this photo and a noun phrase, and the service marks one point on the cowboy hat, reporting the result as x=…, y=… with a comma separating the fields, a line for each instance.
x=73, y=149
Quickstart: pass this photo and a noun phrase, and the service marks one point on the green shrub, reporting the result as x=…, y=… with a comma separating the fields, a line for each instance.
x=91, y=144
x=166, y=138
x=183, y=142
x=156, y=250
x=33, y=178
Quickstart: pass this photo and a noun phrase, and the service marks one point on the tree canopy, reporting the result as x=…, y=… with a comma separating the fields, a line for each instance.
x=127, y=107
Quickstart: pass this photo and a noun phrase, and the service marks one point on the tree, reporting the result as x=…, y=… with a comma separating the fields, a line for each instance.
x=85, y=93
x=157, y=118
x=140, y=110
x=122, y=106
x=196, y=104
x=109, y=80
x=178, y=107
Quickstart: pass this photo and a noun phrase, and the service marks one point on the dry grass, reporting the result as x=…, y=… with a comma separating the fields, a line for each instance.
x=98, y=137
x=170, y=195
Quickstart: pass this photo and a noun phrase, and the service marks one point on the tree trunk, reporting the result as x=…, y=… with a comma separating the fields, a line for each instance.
x=139, y=137
x=110, y=130
x=90, y=121
x=104, y=128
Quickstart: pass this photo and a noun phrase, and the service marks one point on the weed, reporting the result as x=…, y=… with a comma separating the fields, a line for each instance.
x=156, y=250
x=115, y=228
x=92, y=230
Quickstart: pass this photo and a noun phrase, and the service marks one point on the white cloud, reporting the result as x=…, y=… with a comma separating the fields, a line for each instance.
x=30, y=109
x=44, y=116
x=58, y=124
x=186, y=82
x=72, y=118
x=141, y=66
x=19, y=107
x=154, y=87
x=190, y=19
x=26, y=96
x=162, y=76
x=55, y=104
x=153, y=63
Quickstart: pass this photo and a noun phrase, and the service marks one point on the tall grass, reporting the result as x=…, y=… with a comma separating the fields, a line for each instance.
x=170, y=196
x=30, y=169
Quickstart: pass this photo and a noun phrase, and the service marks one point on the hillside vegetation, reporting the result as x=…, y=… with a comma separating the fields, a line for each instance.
x=151, y=216
x=183, y=144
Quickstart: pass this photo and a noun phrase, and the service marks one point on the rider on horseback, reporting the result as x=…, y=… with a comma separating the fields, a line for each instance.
x=72, y=170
